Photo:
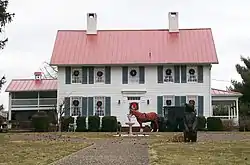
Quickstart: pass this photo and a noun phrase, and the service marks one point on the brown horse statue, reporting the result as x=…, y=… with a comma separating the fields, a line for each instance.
x=146, y=117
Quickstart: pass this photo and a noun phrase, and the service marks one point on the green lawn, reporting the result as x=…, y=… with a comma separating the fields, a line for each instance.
x=42, y=148
x=164, y=152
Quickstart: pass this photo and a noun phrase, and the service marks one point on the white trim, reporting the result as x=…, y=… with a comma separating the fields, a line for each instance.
x=32, y=108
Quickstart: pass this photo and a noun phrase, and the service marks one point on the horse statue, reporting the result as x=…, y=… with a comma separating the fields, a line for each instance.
x=190, y=123
x=145, y=117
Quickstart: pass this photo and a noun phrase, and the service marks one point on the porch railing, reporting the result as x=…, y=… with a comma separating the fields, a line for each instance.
x=41, y=102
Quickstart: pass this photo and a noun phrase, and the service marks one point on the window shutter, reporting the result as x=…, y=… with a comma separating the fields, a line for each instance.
x=177, y=74
x=183, y=100
x=107, y=106
x=84, y=75
x=84, y=106
x=141, y=74
x=107, y=75
x=200, y=105
x=67, y=75
x=159, y=105
x=183, y=74
x=67, y=106
x=160, y=74
x=177, y=100
x=125, y=75
x=200, y=74
x=91, y=75
x=90, y=106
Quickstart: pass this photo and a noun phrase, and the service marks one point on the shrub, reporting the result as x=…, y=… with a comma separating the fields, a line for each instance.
x=228, y=124
x=201, y=123
x=81, y=124
x=109, y=124
x=40, y=121
x=162, y=124
x=93, y=123
x=244, y=123
x=214, y=124
x=65, y=120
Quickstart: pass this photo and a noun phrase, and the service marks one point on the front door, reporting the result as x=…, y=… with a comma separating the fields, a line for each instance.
x=134, y=103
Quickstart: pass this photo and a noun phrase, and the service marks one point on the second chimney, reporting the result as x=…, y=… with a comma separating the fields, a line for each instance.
x=173, y=21
x=91, y=23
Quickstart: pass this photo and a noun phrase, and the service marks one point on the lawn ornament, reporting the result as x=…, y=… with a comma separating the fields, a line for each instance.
x=190, y=124
x=146, y=117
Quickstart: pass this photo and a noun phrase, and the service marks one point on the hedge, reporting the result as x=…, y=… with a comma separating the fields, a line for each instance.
x=81, y=124
x=93, y=123
x=65, y=120
x=109, y=124
x=244, y=123
x=40, y=122
x=214, y=124
x=201, y=123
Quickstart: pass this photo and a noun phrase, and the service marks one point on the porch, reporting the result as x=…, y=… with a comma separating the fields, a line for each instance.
x=225, y=104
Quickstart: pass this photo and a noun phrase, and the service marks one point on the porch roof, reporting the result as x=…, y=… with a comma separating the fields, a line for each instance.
x=219, y=92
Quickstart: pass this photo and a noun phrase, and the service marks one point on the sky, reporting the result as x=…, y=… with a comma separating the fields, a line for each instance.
x=33, y=30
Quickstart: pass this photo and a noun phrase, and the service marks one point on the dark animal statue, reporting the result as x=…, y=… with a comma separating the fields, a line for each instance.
x=190, y=124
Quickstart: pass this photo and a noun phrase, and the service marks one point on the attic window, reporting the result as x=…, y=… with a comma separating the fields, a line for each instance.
x=91, y=15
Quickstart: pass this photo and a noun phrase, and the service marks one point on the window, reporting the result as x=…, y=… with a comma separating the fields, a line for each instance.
x=193, y=98
x=76, y=106
x=99, y=105
x=192, y=74
x=133, y=75
x=99, y=75
x=168, y=75
x=134, y=98
x=76, y=75
x=168, y=100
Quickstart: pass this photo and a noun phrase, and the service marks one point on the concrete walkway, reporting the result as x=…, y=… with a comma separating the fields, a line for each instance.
x=124, y=151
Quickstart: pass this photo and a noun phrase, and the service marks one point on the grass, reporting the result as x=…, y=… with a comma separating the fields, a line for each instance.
x=42, y=148
x=163, y=152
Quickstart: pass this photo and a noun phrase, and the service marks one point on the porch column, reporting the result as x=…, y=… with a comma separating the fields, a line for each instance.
x=237, y=110
x=38, y=100
x=10, y=100
x=9, y=112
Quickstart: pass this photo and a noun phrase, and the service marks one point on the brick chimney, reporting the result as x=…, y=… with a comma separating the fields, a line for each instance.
x=173, y=22
x=91, y=23
x=38, y=76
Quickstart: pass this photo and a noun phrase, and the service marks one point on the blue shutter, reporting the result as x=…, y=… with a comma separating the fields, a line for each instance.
x=159, y=105
x=84, y=106
x=90, y=106
x=160, y=74
x=67, y=106
x=125, y=75
x=177, y=74
x=183, y=74
x=67, y=75
x=107, y=106
x=107, y=75
x=84, y=75
x=177, y=100
x=200, y=74
x=141, y=75
x=91, y=75
x=200, y=106
x=183, y=100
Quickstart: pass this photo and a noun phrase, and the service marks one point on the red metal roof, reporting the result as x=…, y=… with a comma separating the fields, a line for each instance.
x=134, y=47
x=219, y=92
x=19, y=85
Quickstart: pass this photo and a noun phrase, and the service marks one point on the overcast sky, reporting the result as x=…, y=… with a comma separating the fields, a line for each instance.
x=33, y=31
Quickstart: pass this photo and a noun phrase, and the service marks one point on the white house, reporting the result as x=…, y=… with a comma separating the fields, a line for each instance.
x=100, y=72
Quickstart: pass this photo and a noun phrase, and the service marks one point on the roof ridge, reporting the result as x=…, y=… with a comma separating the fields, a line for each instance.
x=84, y=30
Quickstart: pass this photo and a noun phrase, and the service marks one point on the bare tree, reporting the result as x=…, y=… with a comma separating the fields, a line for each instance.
x=49, y=72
